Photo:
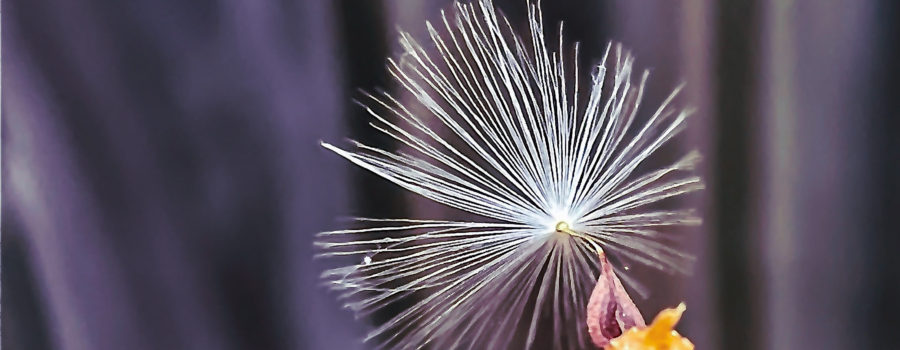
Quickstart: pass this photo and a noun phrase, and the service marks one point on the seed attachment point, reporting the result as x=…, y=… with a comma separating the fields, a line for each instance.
x=563, y=227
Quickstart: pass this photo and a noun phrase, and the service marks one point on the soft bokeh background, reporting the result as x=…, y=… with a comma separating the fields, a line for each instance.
x=162, y=179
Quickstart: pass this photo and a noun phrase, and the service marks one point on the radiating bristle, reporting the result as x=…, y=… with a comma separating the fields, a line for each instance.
x=499, y=130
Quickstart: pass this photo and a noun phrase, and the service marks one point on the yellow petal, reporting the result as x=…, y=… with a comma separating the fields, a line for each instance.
x=659, y=335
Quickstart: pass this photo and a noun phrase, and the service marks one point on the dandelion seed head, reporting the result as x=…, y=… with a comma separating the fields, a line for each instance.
x=544, y=158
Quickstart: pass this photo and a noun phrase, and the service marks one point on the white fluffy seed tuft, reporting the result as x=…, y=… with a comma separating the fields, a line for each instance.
x=502, y=130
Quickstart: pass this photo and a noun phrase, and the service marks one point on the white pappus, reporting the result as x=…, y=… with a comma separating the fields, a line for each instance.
x=543, y=159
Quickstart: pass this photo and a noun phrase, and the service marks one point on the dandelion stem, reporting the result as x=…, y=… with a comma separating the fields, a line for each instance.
x=563, y=227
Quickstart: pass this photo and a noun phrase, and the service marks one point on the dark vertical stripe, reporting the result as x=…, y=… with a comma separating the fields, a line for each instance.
x=881, y=304
x=364, y=37
x=736, y=65
x=24, y=323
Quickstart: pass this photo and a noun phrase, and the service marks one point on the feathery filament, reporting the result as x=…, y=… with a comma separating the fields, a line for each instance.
x=502, y=130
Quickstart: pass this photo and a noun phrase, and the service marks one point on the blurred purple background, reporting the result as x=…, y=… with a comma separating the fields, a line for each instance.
x=162, y=179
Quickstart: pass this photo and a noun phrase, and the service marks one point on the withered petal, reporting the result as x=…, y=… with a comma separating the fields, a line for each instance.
x=610, y=310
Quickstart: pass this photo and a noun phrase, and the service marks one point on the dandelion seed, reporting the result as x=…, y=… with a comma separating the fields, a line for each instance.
x=544, y=159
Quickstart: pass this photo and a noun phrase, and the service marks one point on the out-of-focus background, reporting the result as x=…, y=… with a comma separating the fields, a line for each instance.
x=162, y=180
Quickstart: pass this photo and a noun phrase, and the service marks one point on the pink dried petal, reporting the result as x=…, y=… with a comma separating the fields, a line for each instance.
x=610, y=311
